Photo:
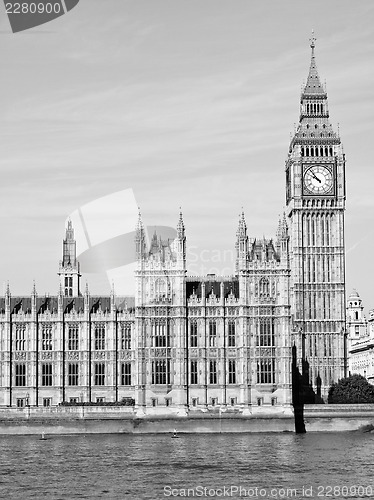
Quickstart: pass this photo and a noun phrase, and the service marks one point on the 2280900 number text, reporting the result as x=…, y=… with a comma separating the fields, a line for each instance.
x=33, y=8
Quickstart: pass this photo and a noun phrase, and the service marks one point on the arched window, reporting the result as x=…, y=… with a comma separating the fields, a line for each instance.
x=264, y=287
x=160, y=288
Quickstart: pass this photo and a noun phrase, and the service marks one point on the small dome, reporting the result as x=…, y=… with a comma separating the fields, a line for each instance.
x=354, y=295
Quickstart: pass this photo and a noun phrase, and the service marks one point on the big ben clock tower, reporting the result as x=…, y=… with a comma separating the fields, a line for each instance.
x=315, y=199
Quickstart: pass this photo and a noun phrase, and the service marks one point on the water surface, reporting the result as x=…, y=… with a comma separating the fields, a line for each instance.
x=154, y=466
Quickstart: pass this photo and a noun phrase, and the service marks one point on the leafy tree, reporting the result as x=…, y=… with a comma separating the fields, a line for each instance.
x=351, y=390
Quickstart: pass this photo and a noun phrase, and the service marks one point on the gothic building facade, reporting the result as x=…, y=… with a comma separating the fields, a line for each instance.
x=184, y=341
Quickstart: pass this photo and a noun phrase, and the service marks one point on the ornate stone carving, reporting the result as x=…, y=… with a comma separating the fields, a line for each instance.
x=99, y=355
x=73, y=355
x=19, y=356
x=159, y=353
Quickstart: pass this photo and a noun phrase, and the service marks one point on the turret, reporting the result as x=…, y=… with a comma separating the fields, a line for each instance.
x=69, y=271
x=140, y=244
x=241, y=244
x=283, y=238
x=181, y=241
x=356, y=321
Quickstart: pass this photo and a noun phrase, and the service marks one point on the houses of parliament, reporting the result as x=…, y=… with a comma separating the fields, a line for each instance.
x=188, y=342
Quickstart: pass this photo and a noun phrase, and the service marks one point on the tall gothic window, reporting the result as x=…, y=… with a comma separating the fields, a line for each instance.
x=99, y=373
x=161, y=290
x=20, y=337
x=193, y=333
x=20, y=374
x=73, y=374
x=73, y=343
x=68, y=286
x=193, y=372
x=266, y=371
x=47, y=374
x=212, y=333
x=100, y=337
x=125, y=335
x=46, y=337
x=264, y=287
x=265, y=335
x=232, y=371
x=161, y=371
x=266, y=344
x=161, y=334
x=212, y=372
x=126, y=373
x=231, y=333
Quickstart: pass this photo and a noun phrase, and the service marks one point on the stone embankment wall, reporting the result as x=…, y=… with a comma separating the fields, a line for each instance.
x=90, y=420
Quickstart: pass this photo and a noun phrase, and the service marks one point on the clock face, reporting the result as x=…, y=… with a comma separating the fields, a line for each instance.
x=318, y=180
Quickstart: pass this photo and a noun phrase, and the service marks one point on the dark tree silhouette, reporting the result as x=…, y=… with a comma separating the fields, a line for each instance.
x=351, y=390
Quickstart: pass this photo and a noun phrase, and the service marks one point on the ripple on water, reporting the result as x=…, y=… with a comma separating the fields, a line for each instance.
x=139, y=467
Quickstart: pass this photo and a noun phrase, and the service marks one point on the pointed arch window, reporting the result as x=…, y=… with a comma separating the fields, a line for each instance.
x=231, y=333
x=212, y=333
x=264, y=287
x=161, y=334
x=160, y=288
x=125, y=335
x=73, y=339
x=193, y=333
x=20, y=337
x=46, y=337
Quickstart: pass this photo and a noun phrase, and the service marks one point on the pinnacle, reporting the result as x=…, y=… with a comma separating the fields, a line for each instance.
x=180, y=227
x=313, y=85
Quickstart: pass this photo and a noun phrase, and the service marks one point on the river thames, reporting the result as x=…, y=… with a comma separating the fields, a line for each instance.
x=154, y=466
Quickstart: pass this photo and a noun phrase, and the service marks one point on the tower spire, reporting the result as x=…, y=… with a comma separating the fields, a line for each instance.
x=313, y=84
x=241, y=243
x=180, y=226
x=140, y=237
x=312, y=40
x=69, y=270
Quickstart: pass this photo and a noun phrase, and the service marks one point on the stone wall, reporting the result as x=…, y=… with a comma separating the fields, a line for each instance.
x=105, y=420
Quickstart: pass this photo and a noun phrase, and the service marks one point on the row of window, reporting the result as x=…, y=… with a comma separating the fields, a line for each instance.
x=265, y=336
x=314, y=107
x=160, y=373
x=212, y=329
x=73, y=337
x=212, y=376
x=72, y=374
x=317, y=150
x=265, y=372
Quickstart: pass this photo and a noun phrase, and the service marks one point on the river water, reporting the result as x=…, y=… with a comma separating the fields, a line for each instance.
x=154, y=466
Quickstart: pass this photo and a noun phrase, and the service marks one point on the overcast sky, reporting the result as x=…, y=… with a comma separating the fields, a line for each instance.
x=189, y=103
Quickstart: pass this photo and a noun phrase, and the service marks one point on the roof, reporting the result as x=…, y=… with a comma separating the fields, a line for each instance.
x=51, y=303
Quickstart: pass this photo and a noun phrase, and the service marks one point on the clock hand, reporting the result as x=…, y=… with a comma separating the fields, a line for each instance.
x=314, y=175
